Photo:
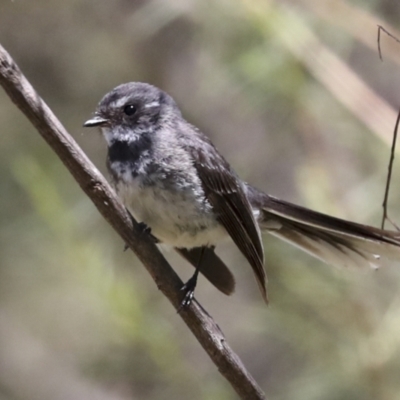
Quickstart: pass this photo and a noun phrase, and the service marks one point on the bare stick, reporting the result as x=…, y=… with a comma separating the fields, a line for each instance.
x=389, y=176
x=381, y=28
x=98, y=190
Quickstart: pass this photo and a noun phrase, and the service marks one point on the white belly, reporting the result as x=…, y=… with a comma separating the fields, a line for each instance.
x=177, y=216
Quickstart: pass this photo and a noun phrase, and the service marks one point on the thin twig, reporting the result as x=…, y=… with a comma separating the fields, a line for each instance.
x=389, y=176
x=385, y=215
x=379, y=42
x=98, y=190
x=381, y=28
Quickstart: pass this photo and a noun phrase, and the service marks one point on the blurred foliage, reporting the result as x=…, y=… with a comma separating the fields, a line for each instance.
x=79, y=318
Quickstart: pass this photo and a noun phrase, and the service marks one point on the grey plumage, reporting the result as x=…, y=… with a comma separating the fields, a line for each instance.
x=171, y=177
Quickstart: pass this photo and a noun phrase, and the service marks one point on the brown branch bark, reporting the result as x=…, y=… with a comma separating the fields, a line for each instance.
x=98, y=190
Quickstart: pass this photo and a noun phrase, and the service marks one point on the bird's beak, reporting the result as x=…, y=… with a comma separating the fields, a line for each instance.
x=95, y=121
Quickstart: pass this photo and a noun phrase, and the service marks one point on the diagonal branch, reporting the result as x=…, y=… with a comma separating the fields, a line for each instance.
x=98, y=190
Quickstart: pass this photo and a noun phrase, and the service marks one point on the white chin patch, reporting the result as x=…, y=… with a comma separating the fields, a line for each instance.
x=115, y=134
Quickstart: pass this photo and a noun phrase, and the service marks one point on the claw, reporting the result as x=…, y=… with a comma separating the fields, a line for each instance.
x=146, y=230
x=188, y=288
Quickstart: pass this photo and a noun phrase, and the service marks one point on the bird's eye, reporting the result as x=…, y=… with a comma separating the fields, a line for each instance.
x=129, y=109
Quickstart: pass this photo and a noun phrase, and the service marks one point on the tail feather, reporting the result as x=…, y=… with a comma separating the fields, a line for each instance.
x=332, y=249
x=332, y=240
x=212, y=267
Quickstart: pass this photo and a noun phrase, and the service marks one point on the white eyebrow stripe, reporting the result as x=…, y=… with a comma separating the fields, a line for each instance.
x=153, y=104
x=120, y=102
x=124, y=100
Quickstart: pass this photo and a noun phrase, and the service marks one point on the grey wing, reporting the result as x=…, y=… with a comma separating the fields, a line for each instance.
x=225, y=193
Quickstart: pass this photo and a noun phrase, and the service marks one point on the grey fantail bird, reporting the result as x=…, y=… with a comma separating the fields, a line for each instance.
x=172, y=179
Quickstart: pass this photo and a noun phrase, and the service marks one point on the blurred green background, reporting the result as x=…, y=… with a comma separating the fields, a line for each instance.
x=294, y=95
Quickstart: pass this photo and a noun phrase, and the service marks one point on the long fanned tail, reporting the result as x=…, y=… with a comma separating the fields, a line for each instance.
x=334, y=241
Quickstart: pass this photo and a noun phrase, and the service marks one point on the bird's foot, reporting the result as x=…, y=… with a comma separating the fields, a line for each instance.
x=188, y=288
x=144, y=230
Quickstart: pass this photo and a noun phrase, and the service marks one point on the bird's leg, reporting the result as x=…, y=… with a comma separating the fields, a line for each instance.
x=144, y=230
x=189, y=287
